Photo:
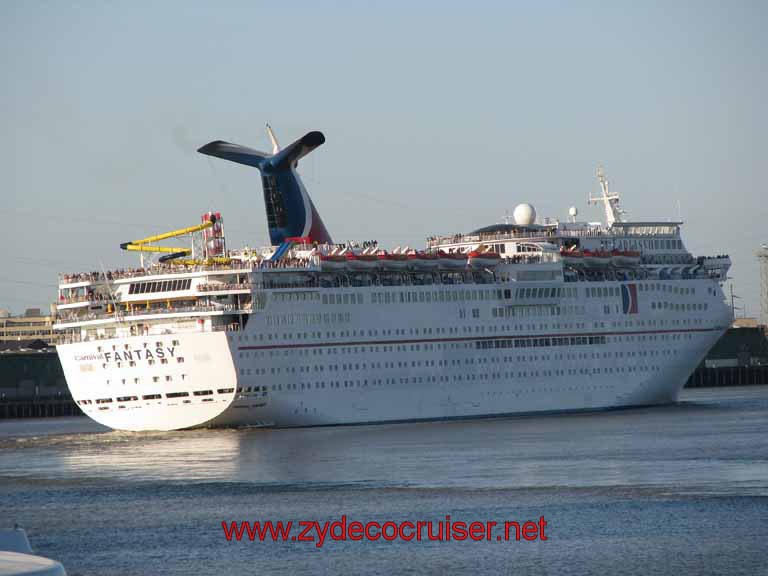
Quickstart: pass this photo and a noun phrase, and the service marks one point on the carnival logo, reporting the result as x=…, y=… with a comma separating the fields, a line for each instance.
x=87, y=357
x=629, y=298
x=159, y=352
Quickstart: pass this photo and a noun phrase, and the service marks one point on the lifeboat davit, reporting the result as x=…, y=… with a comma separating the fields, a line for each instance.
x=598, y=259
x=572, y=257
x=393, y=261
x=453, y=261
x=362, y=261
x=625, y=258
x=331, y=262
x=483, y=259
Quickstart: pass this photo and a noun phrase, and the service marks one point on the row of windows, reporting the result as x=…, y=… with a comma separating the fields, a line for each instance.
x=338, y=384
x=464, y=295
x=308, y=318
x=688, y=306
x=659, y=287
x=454, y=362
x=168, y=378
x=160, y=286
x=480, y=329
x=8, y=333
x=525, y=311
x=123, y=399
x=566, y=292
x=151, y=362
x=539, y=342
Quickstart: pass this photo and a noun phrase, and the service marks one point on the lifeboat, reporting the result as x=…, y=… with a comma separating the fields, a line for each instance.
x=453, y=261
x=597, y=259
x=332, y=262
x=572, y=257
x=393, y=261
x=625, y=258
x=362, y=261
x=479, y=259
x=422, y=261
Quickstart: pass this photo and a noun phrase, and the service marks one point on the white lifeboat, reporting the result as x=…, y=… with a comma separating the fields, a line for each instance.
x=393, y=261
x=362, y=261
x=332, y=262
x=453, y=261
x=422, y=261
x=479, y=259
x=625, y=258
x=572, y=257
x=597, y=259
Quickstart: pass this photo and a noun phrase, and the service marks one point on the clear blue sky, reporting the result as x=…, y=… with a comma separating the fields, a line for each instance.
x=439, y=117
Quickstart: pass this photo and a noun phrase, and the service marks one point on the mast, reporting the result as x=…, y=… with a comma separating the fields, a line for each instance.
x=610, y=200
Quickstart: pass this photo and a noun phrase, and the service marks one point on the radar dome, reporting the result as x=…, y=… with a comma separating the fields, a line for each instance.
x=573, y=211
x=524, y=214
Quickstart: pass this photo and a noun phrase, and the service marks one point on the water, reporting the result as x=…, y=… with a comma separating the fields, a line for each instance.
x=673, y=490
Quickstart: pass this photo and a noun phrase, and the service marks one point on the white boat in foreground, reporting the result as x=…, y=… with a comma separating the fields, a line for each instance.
x=17, y=559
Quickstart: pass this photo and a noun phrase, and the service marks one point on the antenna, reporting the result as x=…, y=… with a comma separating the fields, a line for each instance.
x=734, y=297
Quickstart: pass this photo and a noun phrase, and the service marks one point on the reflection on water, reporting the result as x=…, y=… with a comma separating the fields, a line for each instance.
x=673, y=490
x=711, y=443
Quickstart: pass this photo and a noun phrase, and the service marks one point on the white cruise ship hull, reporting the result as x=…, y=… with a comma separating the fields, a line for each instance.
x=369, y=362
x=132, y=394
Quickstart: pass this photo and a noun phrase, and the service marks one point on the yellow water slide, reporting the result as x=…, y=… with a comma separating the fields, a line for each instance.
x=144, y=245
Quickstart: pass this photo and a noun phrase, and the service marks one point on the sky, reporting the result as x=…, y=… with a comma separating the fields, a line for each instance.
x=439, y=118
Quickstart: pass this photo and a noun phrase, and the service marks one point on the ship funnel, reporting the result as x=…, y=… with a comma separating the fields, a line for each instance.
x=290, y=211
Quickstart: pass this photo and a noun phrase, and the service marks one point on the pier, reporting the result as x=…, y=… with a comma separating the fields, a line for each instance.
x=728, y=376
x=32, y=383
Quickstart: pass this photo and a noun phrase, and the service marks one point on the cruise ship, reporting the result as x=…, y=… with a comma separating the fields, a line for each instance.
x=525, y=316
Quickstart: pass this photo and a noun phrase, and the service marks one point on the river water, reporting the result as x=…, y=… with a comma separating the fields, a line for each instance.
x=672, y=490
